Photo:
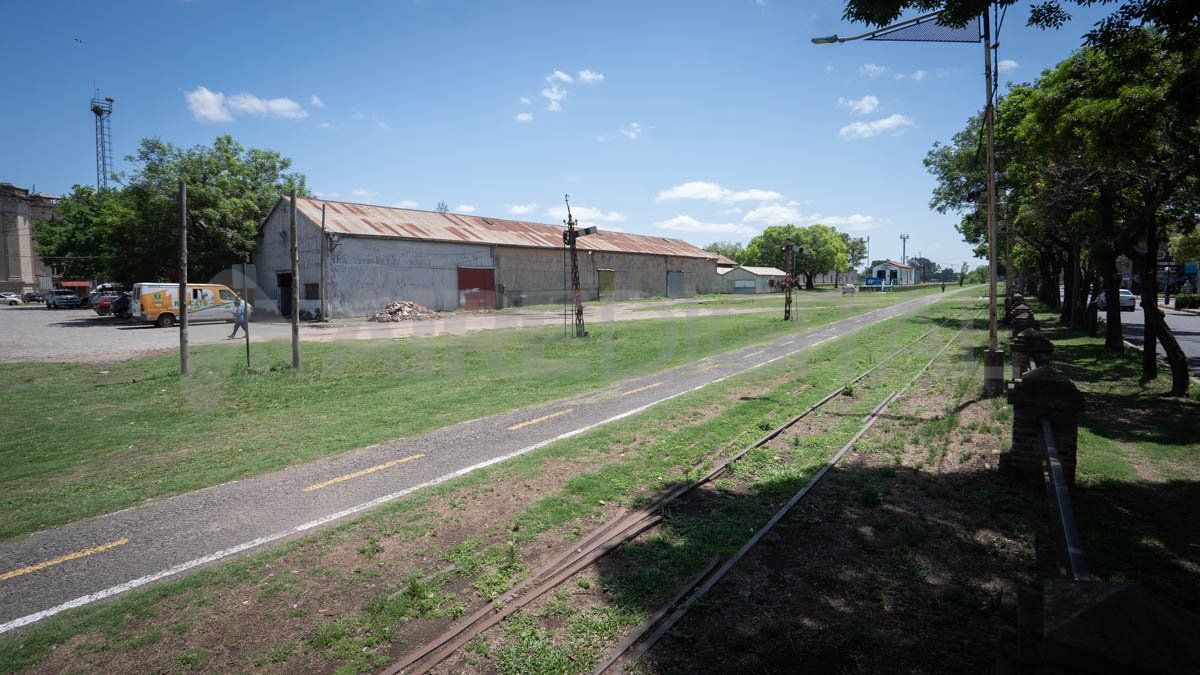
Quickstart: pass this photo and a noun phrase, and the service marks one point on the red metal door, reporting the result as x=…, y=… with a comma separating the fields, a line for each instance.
x=476, y=288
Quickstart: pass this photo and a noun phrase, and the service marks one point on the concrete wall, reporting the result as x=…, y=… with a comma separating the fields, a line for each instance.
x=533, y=276
x=365, y=273
x=21, y=269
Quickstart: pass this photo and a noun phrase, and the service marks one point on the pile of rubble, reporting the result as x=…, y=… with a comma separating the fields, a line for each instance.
x=403, y=310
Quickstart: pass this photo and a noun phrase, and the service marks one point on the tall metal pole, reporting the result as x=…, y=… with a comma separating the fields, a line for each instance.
x=183, y=289
x=787, y=284
x=993, y=361
x=904, y=248
x=324, y=241
x=246, y=314
x=295, y=285
x=580, y=331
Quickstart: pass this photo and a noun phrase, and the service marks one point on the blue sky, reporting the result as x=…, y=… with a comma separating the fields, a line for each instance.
x=698, y=120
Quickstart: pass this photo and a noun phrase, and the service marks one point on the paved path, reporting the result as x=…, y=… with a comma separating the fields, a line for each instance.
x=1185, y=326
x=79, y=563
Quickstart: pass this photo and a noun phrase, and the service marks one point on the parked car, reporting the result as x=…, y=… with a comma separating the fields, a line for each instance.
x=849, y=288
x=1126, y=300
x=61, y=297
x=11, y=299
x=120, y=306
x=33, y=297
x=103, y=303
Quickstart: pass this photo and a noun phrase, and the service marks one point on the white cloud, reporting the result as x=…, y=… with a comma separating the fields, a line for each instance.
x=632, y=131
x=525, y=100
x=358, y=116
x=249, y=104
x=464, y=208
x=559, y=76
x=525, y=117
x=383, y=125
x=315, y=101
x=856, y=222
x=207, y=106
x=860, y=106
x=872, y=70
x=555, y=95
x=586, y=214
x=1007, y=65
x=774, y=214
x=830, y=69
x=917, y=75
x=521, y=209
x=590, y=76
x=689, y=224
x=406, y=204
x=713, y=192
x=214, y=106
x=731, y=211
x=325, y=125
x=327, y=195
x=363, y=193
x=860, y=130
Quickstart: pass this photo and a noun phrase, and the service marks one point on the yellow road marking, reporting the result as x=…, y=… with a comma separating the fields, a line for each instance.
x=63, y=559
x=634, y=391
x=540, y=419
x=357, y=474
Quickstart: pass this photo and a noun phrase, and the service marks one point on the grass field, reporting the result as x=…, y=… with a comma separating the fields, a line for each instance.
x=819, y=297
x=343, y=598
x=95, y=439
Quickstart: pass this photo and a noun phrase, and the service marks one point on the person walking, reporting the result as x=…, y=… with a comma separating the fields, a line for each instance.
x=239, y=318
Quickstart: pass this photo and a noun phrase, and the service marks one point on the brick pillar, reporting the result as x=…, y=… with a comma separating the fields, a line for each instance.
x=1022, y=318
x=1042, y=392
x=1029, y=345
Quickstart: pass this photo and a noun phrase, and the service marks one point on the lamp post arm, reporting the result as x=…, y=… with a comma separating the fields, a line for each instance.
x=834, y=39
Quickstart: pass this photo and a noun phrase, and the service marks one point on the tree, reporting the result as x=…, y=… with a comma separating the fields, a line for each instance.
x=824, y=250
x=442, y=207
x=130, y=234
x=856, y=250
x=925, y=268
x=962, y=274
x=730, y=249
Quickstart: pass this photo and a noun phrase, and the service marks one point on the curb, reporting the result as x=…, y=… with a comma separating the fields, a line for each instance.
x=1138, y=349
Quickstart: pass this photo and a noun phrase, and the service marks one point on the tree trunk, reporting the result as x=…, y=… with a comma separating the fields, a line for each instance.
x=1176, y=359
x=1109, y=276
x=1150, y=303
x=808, y=282
x=1079, y=313
x=1070, y=284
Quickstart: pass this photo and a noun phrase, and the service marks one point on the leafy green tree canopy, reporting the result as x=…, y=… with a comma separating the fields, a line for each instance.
x=130, y=234
x=730, y=249
x=824, y=250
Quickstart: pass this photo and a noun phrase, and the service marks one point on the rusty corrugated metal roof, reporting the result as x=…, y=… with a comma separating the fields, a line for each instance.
x=384, y=221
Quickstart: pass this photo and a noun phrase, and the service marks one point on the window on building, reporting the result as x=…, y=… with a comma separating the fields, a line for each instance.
x=312, y=291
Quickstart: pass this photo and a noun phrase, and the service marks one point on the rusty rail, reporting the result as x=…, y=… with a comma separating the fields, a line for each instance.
x=1070, y=544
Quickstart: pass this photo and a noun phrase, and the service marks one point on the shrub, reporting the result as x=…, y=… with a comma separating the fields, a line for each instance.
x=1187, y=301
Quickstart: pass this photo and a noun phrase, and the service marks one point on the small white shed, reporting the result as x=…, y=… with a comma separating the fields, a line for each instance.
x=751, y=279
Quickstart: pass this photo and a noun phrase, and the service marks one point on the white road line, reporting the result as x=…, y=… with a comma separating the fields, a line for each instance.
x=378, y=501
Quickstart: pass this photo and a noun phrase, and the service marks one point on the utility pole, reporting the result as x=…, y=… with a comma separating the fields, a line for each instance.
x=324, y=307
x=183, y=289
x=904, y=248
x=570, y=235
x=993, y=358
x=295, y=285
x=788, y=282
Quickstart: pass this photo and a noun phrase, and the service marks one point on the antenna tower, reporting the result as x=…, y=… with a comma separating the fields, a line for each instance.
x=102, y=109
x=904, y=248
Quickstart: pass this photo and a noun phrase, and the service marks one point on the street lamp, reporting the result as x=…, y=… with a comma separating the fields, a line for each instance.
x=927, y=28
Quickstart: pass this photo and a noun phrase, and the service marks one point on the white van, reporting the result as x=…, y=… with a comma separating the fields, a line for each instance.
x=158, y=303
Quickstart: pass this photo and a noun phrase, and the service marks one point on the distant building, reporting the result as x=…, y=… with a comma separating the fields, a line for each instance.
x=725, y=262
x=835, y=278
x=892, y=273
x=751, y=279
x=21, y=268
x=449, y=261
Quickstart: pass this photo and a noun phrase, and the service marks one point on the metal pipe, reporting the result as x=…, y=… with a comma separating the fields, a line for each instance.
x=1060, y=498
x=295, y=284
x=183, y=278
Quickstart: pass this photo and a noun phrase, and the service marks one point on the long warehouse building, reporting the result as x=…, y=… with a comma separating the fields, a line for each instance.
x=447, y=261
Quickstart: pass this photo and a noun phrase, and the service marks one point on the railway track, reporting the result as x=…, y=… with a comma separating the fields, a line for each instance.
x=627, y=526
